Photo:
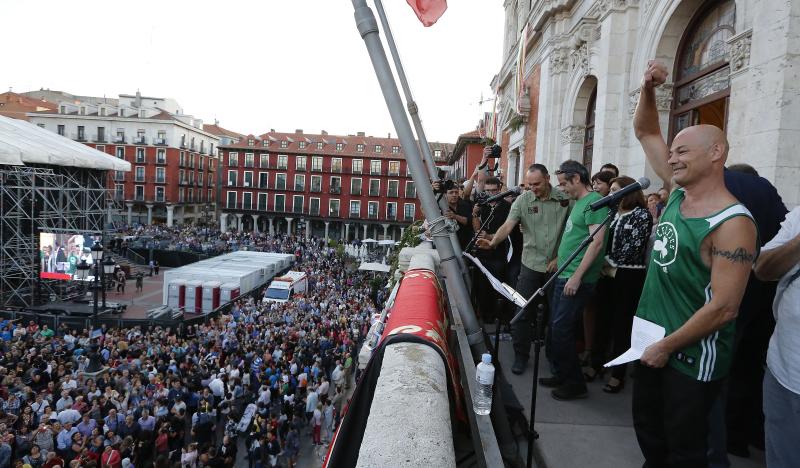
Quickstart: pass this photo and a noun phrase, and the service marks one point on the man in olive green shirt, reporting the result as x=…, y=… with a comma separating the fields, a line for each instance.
x=541, y=213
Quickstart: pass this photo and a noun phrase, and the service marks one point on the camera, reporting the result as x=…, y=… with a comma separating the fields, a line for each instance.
x=497, y=150
x=481, y=197
x=444, y=184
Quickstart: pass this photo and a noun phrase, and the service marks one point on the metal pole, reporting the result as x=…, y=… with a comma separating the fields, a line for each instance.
x=413, y=110
x=368, y=28
x=94, y=311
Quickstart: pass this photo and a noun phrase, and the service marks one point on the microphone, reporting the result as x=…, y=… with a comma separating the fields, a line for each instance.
x=614, y=198
x=499, y=196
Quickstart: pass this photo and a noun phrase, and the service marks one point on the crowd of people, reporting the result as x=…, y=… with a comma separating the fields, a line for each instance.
x=243, y=389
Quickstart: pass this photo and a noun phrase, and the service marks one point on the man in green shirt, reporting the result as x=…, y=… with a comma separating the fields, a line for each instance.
x=706, y=242
x=541, y=212
x=575, y=284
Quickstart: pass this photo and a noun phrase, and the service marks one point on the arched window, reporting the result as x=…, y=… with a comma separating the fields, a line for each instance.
x=588, y=138
x=702, y=72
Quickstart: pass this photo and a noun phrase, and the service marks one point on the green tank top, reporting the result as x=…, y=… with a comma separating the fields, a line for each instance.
x=678, y=284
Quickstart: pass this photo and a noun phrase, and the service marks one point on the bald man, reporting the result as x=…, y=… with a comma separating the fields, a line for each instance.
x=706, y=243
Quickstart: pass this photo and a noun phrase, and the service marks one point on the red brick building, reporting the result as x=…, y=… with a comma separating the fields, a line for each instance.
x=353, y=186
x=467, y=154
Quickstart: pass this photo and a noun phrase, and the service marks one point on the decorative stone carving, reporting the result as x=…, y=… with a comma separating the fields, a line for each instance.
x=739, y=51
x=579, y=59
x=663, y=98
x=573, y=134
x=559, y=61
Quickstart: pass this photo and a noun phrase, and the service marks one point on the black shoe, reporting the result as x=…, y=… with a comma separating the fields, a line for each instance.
x=570, y=392
x=551, y=382
x=520, y=363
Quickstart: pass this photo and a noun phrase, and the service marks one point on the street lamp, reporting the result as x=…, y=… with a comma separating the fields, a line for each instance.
x=99, y=281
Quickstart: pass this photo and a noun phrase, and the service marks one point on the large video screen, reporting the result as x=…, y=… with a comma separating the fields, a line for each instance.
x=60, y=254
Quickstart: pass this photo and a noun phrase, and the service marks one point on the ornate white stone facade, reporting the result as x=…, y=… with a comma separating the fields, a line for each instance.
x=582, y=45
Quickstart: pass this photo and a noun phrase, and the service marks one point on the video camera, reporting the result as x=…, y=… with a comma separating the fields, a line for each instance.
x=444, y=183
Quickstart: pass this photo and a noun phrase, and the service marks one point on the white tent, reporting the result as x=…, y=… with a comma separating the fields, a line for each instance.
x=386, y=242
x=374, y=267
x=369, y=241
x=23, y=143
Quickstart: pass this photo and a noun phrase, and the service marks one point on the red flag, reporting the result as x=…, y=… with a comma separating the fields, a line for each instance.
x=428, y=11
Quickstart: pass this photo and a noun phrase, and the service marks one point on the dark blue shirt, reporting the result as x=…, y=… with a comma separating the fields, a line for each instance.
x=761, y=198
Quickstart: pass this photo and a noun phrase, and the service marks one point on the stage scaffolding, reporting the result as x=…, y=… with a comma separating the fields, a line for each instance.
x=41, y=198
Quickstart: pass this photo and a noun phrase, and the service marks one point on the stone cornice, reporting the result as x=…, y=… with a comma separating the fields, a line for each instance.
x=602, y=8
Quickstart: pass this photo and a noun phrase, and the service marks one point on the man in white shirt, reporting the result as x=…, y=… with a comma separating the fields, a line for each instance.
x=217, y=387
x=64, y=402
x=780, y=259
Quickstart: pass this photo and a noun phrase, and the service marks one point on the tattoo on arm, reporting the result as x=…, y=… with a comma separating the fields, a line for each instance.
x=740, y=255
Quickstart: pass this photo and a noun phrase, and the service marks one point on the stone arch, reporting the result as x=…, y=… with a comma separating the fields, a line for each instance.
x=663, y=26
x=576, y=105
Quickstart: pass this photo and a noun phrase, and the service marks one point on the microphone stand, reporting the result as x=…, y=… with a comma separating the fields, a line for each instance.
x=480, y=229
x=538, y=325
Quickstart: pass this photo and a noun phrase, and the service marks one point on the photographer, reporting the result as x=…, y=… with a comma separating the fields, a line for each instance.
x=458, y=210
x=482, y=172
x=487, y=218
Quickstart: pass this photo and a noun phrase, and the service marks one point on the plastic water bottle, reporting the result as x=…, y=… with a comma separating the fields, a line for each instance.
x=484, y=375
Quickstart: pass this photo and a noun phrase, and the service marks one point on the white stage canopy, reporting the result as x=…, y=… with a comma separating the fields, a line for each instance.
x=23, y=143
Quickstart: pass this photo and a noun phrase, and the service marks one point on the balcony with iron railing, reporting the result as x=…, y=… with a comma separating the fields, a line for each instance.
x=183, y=144
x=140, y=140
x=99, y=138
x=159, y=141
x=119, y=139
x=79, y=137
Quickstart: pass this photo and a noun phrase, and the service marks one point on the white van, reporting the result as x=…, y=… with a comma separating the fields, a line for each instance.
x=282, y=288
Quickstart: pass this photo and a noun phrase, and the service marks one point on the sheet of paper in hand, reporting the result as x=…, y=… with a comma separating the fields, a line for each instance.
x=643, y=334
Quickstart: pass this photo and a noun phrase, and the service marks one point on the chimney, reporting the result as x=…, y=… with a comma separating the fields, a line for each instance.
x=299, y=131
x=216, y=122
x=324, y=132
x=361, y=134
x=390, y=135
x=138, y=99
x=272, y=130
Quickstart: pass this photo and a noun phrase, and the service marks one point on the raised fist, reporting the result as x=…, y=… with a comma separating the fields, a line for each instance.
x=655, y=75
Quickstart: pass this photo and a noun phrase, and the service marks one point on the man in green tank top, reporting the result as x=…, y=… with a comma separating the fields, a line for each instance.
x=705, y=246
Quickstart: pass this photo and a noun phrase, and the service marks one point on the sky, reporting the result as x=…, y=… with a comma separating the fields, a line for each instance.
x=257, y=65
